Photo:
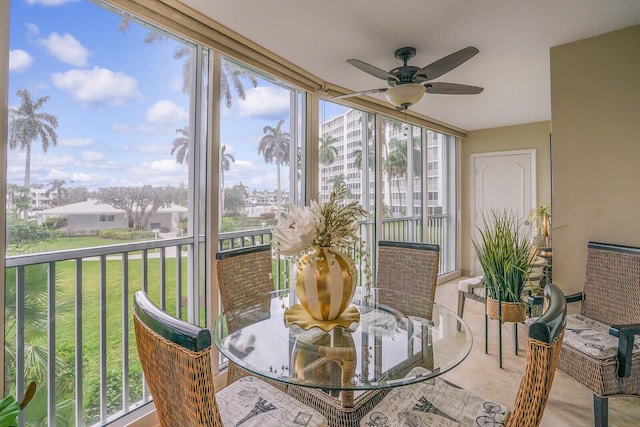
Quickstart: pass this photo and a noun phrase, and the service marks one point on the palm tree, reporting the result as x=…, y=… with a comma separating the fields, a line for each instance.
x=340, y=181
x=181, y=145
x=225, y=163
x=327, y=152
x=371, y=156
x=397, y=163
x=57, y=186
x=230, y=76
x=275, y=146
x=35, y=323
x=27, y=125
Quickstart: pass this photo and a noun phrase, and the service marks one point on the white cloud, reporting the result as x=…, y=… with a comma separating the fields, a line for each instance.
x=154, y=148
x=92, y=156
x=19, y=60
x=75, y=142
x=50, y=2
x=166, y=112
x=32, y=29
x=265, y=103
x=256, y=175
x=97, y=86
x=66, y=48
x=162, y=166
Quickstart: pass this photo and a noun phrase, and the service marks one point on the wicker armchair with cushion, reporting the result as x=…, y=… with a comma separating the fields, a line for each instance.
x=599, y=349
x=245, y=281
x=176, y=361
x=439, y=403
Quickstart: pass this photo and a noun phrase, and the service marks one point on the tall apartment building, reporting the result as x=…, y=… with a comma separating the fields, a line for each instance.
x=352, y=166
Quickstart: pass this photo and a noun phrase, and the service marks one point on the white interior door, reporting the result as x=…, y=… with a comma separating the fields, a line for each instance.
x=502, y=180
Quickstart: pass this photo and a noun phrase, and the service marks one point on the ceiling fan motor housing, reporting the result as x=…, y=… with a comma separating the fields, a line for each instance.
x=405, y=73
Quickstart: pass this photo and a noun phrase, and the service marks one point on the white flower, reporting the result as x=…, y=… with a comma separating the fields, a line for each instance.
x=297, y=231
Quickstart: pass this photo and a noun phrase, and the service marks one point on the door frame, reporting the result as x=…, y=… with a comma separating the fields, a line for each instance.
x=531, y=152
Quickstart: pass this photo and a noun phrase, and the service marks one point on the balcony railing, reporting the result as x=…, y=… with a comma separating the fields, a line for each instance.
x=73, y=309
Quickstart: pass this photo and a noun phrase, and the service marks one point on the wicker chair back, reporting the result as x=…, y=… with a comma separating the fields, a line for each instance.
x=611, y=292
x=176, y=362
x=245, y=281
x=408, y=269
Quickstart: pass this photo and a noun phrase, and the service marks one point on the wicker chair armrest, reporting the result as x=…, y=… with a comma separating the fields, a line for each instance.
x=577, y=297
x=625, y=334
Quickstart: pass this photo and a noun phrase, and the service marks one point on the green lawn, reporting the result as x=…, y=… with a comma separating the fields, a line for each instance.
x=67, y=243
x=65, y=321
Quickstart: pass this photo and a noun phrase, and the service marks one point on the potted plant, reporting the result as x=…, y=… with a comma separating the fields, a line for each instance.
x=506, y=257
x=541, y=216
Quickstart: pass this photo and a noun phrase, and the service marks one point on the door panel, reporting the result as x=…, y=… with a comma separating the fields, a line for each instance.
x=503, y=181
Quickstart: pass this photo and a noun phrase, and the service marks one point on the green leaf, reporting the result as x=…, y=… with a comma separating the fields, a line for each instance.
x=9, y=410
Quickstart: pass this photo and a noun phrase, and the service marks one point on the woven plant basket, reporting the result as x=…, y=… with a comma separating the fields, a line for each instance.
x=511, y=311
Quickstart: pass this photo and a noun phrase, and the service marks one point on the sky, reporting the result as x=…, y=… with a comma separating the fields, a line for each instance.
x=119, y=102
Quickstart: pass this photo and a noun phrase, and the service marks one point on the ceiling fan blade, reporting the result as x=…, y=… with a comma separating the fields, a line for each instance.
x=446, y=64
x=452, y=88
x=370, y=69
x=364, y=92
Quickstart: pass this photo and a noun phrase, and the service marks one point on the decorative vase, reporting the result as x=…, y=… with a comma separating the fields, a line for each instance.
x=325, y=282
x=511, y=311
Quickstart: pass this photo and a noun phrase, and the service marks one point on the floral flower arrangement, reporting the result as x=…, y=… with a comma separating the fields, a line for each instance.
x=332, y=224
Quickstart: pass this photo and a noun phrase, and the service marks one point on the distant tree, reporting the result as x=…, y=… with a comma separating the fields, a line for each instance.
x=327, y=151
x=24, y=235
x=225, y=164
x=338, y=181
x=234, y=199
x=371, y=156
x=139, y=203
x=181, y=145
x=274, y=146
x=182, y=195
x=26, y=125
x=57, y=186
x=397, y=164
x=18, y=199
x=77, y=194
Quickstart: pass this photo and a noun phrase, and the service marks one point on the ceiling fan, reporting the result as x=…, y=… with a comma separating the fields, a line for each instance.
x=407, y=83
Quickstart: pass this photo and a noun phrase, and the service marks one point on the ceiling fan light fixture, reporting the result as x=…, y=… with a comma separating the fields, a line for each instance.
x=405, y=95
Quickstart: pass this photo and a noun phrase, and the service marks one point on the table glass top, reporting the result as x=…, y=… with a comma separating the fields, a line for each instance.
x=396, y=333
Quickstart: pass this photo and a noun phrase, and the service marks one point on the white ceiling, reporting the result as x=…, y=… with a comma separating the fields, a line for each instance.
x=513, y=36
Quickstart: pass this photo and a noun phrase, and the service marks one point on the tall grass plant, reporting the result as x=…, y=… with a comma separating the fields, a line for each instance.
x=505, y=254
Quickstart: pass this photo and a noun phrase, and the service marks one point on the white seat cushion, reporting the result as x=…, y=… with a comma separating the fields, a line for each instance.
x=251, y=402
x=466, y=284
x=592, y=337
x=434, y=403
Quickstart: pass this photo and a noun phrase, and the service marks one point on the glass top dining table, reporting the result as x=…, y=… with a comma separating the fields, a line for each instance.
x=378, y=351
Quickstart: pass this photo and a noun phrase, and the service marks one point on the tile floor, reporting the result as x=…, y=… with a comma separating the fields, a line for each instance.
x=570, y=403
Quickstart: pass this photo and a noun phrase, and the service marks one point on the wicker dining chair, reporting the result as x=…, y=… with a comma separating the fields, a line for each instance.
x=244, y=281
x=408, y=269
x=599, y=350
x=176, y=362
x=438, y=402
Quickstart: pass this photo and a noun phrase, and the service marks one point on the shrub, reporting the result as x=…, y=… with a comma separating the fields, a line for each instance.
x=125, y=234
x=55, y=223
